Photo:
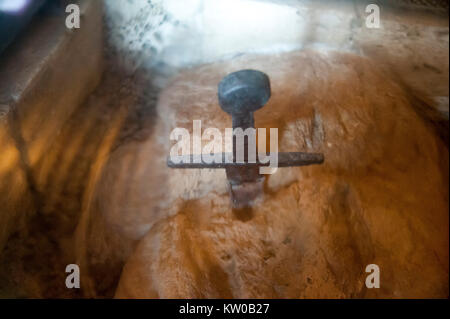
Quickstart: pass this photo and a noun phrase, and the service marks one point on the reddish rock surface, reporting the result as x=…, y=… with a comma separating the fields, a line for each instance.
x=380, y=197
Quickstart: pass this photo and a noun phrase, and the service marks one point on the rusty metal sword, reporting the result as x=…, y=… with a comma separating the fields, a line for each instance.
x=240, y=94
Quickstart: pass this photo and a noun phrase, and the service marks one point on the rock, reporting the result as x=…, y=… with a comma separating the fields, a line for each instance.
x=381, y=197
x=39, y=90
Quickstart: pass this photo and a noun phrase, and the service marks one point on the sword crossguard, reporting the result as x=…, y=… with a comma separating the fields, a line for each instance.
x=240, y=94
